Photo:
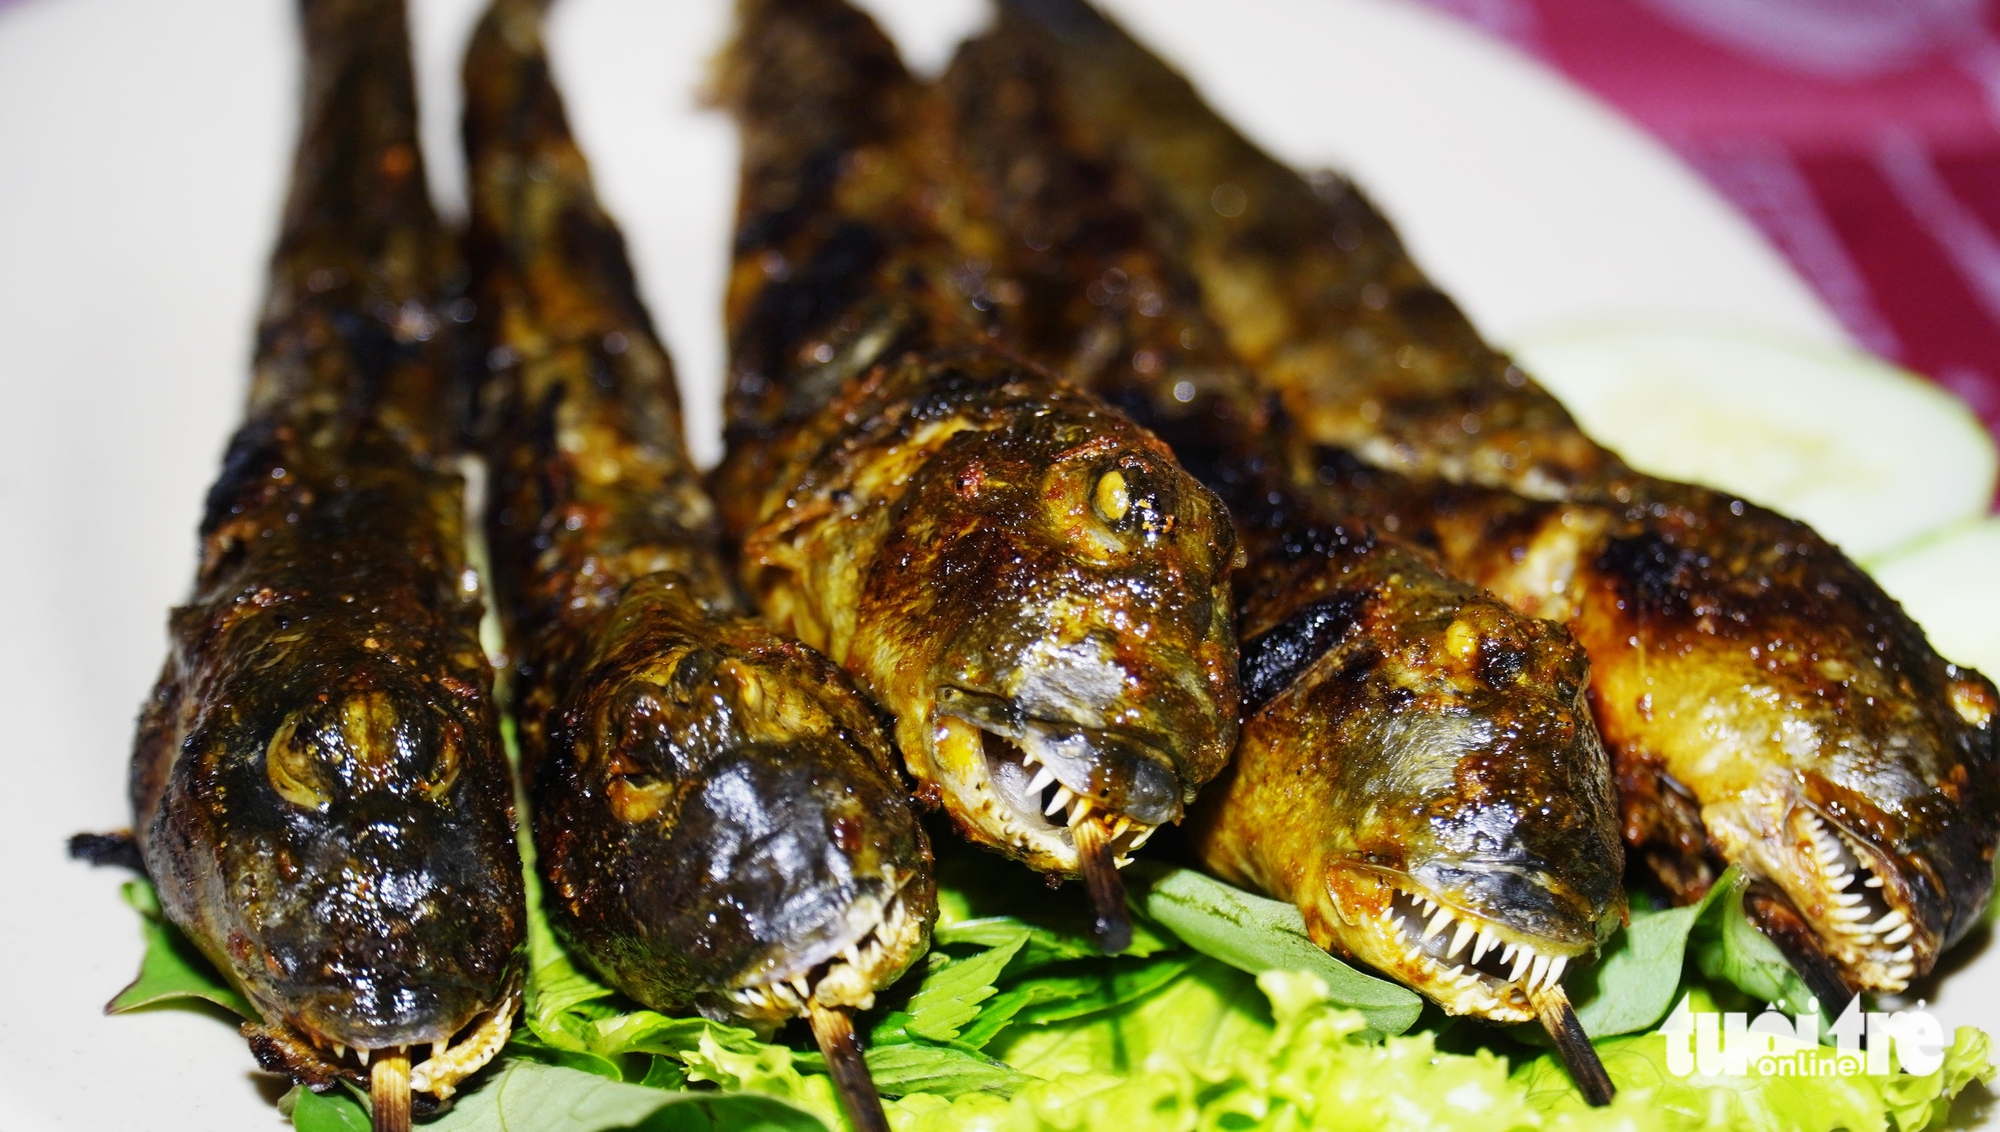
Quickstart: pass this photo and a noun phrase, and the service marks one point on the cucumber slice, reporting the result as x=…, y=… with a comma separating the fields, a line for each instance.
x=1870, y=455
x=1950, y=583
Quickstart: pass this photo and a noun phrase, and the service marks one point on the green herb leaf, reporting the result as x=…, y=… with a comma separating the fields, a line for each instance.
x=920, y=1067
x=1729, y=947
x=171, y=967
x=333, y=1111
x=1256, y=935
x=529, y=1095
x=1638, y=977
x=953, y=990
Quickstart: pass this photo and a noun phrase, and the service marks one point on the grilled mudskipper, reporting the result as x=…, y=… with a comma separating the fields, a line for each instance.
x=719, y=819
x=318, y=786
x=1765, y=702
x=1417, y=768
x=1025, y=580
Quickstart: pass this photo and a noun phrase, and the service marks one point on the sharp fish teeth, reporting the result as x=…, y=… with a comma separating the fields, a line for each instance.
x=1041, y=781
x=1460, y=938
x=339, y=1051
x=1144, y=836
x=1556, y=970
x=1905, y=955
x=1437, y=923
x=1028, y=758
x=1061, y=801
x=1429, y=905
x=1521, y=962
x=1480, y=948
x=1899, y=934
x=1507, y=955
x=1538, y=971
x=1847, y=899
x=1873, y=881
x=1894, y=918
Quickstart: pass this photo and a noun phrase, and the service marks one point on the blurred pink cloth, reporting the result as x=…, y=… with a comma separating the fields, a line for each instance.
x=1861, y=136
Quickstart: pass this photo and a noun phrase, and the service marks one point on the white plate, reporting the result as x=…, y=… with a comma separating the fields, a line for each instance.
x=145, y=148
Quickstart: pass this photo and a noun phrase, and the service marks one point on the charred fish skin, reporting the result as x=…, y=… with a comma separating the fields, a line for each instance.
x=1409, y=745
x=1026, y=581
x=1766, y=702
x=318, y=786
x=1811, y=733
x=719, y=819
x=1281, y=257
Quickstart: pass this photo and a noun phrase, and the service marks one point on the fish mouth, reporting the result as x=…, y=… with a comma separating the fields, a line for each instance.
x=1028, y=785
x=887, y=935
x=1465, y=962
x=1856, y=903
x=453, y=1058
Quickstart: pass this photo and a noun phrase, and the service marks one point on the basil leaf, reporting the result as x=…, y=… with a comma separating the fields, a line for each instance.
x=171, y=967
x=1638, y=976
x=1256, y=935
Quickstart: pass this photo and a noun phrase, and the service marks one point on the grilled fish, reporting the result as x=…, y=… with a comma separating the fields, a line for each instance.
x=1417, y=769
x=1765, y=702
x=1025, y=580
x=318, y=786
x=720, y=821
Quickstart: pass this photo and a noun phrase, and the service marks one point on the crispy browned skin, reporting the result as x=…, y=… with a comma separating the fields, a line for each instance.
x=1022, y=577
x=719, y=820
x=1417, y=769
x=1766, y=703
x=318, y=784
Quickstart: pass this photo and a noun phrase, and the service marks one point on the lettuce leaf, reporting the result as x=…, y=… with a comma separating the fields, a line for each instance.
x=1651, y=1097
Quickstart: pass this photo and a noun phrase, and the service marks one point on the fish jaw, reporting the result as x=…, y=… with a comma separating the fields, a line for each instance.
x=1857, y=900
x=887, y=929
x=1003, y=782
x=1465, y=962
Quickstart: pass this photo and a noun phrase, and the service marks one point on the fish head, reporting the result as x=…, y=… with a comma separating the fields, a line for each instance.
x=356, y=891
x=1830, y=751
x=1485, y=854
x=1875, y=822
x=1068, y=581
x=716, y=786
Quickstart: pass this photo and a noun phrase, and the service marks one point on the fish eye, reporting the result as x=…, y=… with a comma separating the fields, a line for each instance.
x=294, y=768
x=635, y=792
x=1126, y=498
x=1112, y=497
x=444, y=771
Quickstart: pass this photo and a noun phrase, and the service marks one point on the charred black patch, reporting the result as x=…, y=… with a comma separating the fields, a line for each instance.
x=839, y=273
x=1653, y=574
x=253, y=451
x=102, y=849
x=1274, y=658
